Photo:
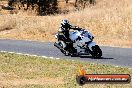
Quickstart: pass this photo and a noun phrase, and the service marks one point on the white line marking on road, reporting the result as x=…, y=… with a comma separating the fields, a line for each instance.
x=26, y=54
x=57, y=58
x=51, y=57
x=3, y=51
x=33, y=55
x=11, y=52
x=44, y=56
x=130, y=68
x=17, y=53
x=117, y=66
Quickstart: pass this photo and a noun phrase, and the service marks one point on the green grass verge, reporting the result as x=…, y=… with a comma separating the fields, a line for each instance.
x=31, y=72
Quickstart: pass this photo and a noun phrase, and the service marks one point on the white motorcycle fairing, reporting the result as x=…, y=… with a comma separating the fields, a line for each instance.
x=74, y=35
x=91, y=44
x=85, y=37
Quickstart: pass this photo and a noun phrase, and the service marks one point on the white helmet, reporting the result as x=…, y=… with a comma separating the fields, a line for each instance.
x=65, y=22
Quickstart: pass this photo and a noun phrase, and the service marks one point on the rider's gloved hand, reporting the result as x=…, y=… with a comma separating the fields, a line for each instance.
x=78, y=28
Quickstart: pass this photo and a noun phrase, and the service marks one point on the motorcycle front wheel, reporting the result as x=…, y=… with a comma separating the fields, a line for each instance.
x=96, y=51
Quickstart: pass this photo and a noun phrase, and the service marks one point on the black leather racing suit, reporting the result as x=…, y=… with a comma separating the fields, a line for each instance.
x=65, y=30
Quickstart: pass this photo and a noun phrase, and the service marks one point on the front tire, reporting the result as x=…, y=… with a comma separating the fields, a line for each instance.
x=96, y=51
x=63, y=45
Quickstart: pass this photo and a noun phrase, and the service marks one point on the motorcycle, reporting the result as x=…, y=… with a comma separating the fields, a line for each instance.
x=82, y=41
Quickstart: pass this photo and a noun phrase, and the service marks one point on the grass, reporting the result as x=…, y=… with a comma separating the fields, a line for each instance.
x=19, y=71
x=110, y=22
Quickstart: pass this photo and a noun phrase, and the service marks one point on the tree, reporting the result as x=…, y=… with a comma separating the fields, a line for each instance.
x=83, y=3
x=44, y=7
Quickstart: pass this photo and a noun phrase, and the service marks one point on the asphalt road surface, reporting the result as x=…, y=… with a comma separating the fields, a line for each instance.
x=111, y=55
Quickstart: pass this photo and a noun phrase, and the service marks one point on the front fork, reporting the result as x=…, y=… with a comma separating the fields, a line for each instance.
x=90, y=45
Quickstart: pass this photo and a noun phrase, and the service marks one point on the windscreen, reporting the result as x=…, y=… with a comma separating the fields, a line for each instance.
x=85, y=34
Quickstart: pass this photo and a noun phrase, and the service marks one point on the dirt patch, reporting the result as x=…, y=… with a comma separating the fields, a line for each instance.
x=40, y=81
x=14, y=80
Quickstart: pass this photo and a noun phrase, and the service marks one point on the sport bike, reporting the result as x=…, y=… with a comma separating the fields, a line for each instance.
x=81, y=40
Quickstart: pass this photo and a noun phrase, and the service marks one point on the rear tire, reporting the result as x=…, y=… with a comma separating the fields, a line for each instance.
x=96, y=51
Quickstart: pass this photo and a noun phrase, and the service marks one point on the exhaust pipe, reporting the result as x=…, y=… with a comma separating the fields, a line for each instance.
x=58, y=46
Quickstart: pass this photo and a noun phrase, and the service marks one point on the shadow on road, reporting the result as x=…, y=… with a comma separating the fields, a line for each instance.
x=95, y=58
x=106, y=58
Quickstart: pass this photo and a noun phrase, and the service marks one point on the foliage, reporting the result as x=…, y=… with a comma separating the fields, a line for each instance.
x=43, y=7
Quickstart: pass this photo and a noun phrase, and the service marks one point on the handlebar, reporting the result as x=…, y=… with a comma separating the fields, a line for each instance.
x=77, y=28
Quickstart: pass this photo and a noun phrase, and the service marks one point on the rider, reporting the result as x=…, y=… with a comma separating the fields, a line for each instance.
x=64, y=28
